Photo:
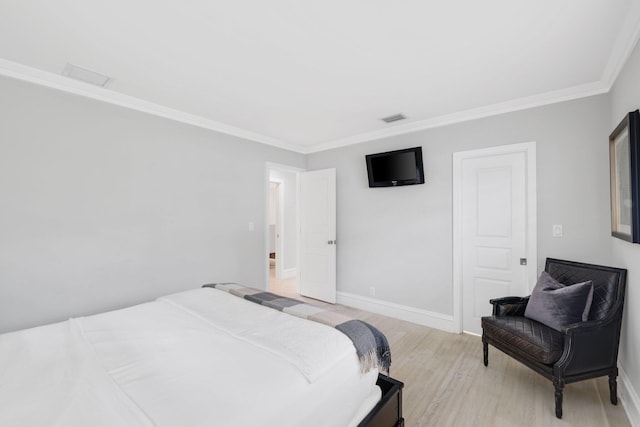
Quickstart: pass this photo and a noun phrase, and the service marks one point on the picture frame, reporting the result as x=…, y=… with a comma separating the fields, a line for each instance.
x=624, y=160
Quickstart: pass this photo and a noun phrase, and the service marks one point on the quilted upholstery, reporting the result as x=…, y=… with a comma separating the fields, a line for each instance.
x=605, y=286
x=531, y=339
x=583, y=351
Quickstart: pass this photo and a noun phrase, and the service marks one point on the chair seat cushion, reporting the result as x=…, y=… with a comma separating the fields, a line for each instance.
x=531, y=339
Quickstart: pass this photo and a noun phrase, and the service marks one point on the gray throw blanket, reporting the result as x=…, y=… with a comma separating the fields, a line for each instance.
x=371, y=345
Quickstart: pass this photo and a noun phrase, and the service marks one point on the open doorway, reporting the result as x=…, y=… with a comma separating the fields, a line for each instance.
x=275, y=210
x=282, y=229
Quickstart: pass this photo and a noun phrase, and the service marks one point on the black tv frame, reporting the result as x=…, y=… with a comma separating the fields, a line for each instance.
x=396, y=183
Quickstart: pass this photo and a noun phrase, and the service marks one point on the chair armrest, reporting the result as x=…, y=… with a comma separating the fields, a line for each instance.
x=590, y=345
x=509, y=306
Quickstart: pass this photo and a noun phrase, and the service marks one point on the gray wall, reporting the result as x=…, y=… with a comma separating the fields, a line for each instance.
x=399, y=240
x=102, y=207
x=625, y=97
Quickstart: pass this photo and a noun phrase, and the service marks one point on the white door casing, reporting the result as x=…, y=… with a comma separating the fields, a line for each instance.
x=494, y=228
x=317, y=273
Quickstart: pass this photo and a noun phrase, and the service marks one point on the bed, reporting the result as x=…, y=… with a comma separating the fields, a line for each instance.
x=202, y=357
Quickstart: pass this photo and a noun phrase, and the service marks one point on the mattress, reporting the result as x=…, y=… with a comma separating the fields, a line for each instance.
x=196, y=358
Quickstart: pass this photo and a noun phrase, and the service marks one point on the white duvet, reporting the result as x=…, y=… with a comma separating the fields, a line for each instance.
x=197, y=358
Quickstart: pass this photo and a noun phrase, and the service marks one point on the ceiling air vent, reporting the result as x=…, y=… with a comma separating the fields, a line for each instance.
x=393, y=118
x=85, y=75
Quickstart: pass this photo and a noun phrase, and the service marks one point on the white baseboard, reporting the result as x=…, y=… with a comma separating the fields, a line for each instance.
x=629, y=398
x=398, y=311
x=288, y=273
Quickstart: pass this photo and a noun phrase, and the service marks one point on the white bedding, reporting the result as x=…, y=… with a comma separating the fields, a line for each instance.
x=197, y=358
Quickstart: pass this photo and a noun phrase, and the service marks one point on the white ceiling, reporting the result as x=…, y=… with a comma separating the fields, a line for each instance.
x=311, y=75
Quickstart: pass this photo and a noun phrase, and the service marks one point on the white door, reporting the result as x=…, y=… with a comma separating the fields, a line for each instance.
x=317, y=277
x=494, y=196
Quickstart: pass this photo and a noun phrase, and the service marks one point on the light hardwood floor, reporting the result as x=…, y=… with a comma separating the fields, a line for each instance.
x=446, y=383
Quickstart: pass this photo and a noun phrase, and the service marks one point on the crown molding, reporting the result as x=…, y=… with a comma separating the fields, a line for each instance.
x=59, y=82
x=575, y=92
x=619, y=55
x=623, y=46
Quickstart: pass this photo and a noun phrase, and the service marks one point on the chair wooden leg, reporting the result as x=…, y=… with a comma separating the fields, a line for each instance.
x=558, y=384
x=613, y=388
x=485, y=352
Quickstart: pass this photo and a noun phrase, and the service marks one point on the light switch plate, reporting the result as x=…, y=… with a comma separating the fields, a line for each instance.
x=557, y=230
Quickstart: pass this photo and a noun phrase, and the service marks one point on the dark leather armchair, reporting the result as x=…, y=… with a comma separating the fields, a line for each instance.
x=584, y=350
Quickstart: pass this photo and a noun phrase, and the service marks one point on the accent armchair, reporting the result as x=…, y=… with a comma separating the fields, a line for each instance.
x=581, y=351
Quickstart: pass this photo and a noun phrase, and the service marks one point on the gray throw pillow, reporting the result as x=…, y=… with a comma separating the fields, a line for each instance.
x=557, y=305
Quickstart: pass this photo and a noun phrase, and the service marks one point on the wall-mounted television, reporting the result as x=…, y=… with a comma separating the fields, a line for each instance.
x=394, y=168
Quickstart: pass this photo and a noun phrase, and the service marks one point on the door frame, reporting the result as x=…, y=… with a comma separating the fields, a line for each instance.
x=529, y=150
x=284, y=168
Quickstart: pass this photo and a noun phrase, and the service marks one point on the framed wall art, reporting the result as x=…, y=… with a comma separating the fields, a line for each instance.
x=624, y=157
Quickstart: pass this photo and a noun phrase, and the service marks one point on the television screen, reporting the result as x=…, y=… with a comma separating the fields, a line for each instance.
x=394, y=168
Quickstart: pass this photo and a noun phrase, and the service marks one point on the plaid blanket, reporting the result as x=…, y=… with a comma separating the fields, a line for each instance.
x=371, y=345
